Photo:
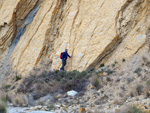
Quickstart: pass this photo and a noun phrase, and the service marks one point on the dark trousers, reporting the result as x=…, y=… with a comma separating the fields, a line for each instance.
x=63, y=64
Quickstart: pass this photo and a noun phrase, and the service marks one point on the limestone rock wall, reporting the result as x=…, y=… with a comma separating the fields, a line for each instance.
x=11, y=14
x=94, y=31
x=132, y=26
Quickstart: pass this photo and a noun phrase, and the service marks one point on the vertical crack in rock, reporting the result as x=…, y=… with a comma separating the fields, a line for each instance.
x=74, y=19
x=53, y=31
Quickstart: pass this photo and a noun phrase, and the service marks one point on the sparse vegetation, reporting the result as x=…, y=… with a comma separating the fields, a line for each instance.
x=146, y=61
x=147, y=88
x=102, y=65
x=138, y=71
x=3, y=105
x=123, y=60
x=114, y=64
x=134, y=109
x=131, y=94
x=139, y=89
x=51, y=82
x=42, y=82
x=96, y=82
x=91, y=70
x=18, y=77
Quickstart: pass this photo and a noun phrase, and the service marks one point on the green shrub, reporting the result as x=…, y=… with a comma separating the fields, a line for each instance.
x=139, y=89
x=83, y=73
x=102, y=65
x=110, y=71
x=113, y=65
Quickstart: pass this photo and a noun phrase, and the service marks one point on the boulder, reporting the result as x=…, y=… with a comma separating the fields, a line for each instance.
x=72, y=93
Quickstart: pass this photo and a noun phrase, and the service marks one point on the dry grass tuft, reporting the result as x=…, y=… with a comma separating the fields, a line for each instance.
x=131, y=109
x=3, y=102
x=96, y=82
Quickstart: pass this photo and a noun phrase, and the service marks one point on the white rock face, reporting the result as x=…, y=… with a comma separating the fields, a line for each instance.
x=72, y=93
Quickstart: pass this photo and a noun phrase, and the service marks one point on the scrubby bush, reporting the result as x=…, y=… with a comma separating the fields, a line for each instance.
x=96, y=81
x=138, y=71
x=3, y=105
x=53, y=81
x=134, y=109
x=139, y=89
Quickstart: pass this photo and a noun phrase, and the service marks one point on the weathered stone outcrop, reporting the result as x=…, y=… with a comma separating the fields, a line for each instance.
x=28, y=53
x=12, y=13
x=132, y=26
x=94, y=31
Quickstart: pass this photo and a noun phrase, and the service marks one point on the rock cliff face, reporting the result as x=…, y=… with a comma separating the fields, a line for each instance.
x=94, y=31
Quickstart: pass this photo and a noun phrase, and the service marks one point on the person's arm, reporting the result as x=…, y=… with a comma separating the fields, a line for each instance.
x=68, y=55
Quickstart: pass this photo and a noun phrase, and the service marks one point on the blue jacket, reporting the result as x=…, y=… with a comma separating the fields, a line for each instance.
x=65, y=55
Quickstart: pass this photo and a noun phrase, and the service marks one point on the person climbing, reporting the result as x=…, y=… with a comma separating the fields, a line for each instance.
x=64, y=56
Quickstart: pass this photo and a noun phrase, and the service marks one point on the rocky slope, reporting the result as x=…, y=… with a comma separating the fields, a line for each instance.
x=94, y=31
x=109, y=89
x=113, y=36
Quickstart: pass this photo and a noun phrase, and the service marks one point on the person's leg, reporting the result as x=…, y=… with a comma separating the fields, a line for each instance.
x=62, y=67
x=65, y=62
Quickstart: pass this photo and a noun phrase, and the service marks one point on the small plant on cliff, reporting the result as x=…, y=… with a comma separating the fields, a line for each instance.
x=102, y=65
x=123, y=60
x=114, y=64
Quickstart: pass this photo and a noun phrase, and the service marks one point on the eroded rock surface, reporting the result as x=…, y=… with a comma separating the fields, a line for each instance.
x=93, y=31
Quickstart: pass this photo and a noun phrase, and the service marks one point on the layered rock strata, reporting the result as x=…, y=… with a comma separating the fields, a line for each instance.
x=94, y=31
